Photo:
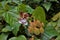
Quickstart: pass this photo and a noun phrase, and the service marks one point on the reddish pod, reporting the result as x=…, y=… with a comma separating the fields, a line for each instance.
x=23, y=18
x=21, y=14
x=25, y=15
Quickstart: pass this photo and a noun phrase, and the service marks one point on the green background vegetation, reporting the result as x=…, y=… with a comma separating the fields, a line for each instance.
x=47, y=11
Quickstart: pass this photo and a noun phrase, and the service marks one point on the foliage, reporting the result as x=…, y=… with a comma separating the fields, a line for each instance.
x=27, y=19
x=39, y=14
x=21, y=37
x=3, y=36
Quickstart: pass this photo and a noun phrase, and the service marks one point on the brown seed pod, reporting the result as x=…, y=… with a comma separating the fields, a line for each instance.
x=36, y=27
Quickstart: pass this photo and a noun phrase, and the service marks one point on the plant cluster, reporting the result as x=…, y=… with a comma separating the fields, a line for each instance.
x=29, y=20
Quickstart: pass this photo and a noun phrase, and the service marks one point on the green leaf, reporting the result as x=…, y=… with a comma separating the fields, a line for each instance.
x=51, y=25
x=36, y=38
x=1, y=12
x=22, y=37
x=49, y=34
x=0, y=5
x=7, y=29
x=44, y=37
x=3, y=36
x=39, y=14
x=37, y=1
x=53, y=0
x=47, y=5
x=16, y=28
x=54, y=18
x=50, y=31
x=15, y=1
x=25, y=8
x=58, y=22
x=4, y=3
x=10, y=18
x=22, y=7
x=58, y=38
x=14, y=10
x=51, y=28
x=13, y=38
x=58, y=26
x=57, y=29
x=7, y=7
x=1, y=26
x=29, y=9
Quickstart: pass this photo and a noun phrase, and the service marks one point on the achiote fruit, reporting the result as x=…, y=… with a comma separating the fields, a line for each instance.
x=36, y=27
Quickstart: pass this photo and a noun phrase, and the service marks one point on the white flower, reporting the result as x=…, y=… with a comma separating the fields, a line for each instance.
x=23, y=21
